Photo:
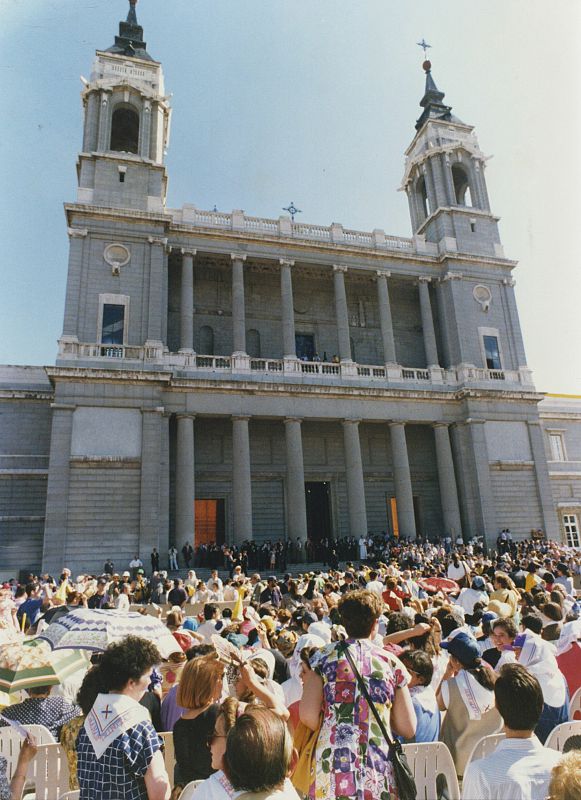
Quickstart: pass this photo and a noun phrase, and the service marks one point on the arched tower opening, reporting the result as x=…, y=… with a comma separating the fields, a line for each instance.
x=422, y=196
x=125, y=130
x=461, y=186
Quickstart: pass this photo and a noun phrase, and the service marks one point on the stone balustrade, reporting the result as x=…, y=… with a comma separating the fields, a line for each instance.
x=284, y=227
x=278, y=369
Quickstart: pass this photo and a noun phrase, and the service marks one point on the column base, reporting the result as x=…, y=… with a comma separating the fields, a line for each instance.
x=348, y=368
x=240, y=362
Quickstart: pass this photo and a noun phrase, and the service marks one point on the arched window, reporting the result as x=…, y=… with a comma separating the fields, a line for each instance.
x=422, y=195
x=125, y=130
x=206, y=341
x=253, y=343
x=461, y=186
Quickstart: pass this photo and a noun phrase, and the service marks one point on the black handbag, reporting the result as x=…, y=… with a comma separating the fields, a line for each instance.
x=404, y=777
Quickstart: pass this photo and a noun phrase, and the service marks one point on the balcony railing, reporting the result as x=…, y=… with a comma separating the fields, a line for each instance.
x=280, y=369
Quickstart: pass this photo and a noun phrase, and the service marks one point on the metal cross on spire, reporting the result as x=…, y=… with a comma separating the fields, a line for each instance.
x=424, y=45
x=292, y=210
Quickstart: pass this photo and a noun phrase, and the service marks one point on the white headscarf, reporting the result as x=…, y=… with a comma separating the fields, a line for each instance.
x=293, y=688
x=538, y=657
x=570, y=633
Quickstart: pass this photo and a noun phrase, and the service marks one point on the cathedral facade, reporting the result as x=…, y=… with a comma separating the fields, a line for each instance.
x=222, y=377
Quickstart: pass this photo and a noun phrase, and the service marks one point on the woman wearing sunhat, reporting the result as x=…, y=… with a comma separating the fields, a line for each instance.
x=466, y=694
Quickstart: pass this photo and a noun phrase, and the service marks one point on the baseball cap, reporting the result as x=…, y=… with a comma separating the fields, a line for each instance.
x=488, y=616
x=126, y=574
x=478, y=582
x=463, y=647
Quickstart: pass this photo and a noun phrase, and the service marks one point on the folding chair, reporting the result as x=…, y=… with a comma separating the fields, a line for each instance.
x=428, y=761
x=485, y=747
x=575, y=706
x=189, y=789
x=559, y=735
x=49, y=772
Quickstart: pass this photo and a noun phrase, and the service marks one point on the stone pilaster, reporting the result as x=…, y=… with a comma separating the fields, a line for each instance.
x=185, y=482
x=296, y=504
x=483, y=496
x=241, y=479
x=354, y=476
x=164, y=490
x=77, y=238
x=428, y=323
x=341, y=313
x=402, y=480
x=157, y=269
x=288, y=314
x=447, y=481
x=385, y=319
x=104, y=138
x=151, y=476
x=550, y=521
x=187, y=302
x=238, y=306
x=57, y=494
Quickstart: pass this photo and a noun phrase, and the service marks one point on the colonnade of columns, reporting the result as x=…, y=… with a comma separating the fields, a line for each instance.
x=295, y=479
x=287, y=307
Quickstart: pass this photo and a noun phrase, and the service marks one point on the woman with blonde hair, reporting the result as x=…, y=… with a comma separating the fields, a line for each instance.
x=198, y=693
x=566, y=778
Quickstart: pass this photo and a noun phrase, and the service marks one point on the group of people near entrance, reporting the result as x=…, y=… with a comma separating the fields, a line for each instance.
x=291, y=692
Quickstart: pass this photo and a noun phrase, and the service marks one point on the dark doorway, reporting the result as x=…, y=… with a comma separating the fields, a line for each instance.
x=210, y=524
x=305, y=345
x=418, y=514
x=318, y=496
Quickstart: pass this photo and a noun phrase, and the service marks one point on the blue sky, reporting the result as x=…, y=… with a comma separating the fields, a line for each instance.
x=312, y=101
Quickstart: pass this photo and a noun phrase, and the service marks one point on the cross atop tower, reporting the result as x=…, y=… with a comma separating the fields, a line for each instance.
x=424, y=45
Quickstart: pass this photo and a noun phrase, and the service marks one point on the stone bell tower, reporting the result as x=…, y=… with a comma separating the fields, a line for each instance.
x=444, y=180
x=126, y=126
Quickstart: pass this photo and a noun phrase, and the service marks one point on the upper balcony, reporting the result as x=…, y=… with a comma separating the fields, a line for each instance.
x=237, y=367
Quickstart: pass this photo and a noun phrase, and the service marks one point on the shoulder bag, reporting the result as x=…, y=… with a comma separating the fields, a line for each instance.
x=404, y=778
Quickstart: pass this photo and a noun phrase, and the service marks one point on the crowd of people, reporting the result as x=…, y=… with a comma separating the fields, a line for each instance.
x=287, y=686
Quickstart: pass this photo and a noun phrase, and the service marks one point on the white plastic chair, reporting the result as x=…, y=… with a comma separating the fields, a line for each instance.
x=485, y=747
x=49, y=772
x=429, y=760
x=559, y=735
x=169, y=755
x=575, y=705
x=71, y=795
x=11, y=742
x=189, y=789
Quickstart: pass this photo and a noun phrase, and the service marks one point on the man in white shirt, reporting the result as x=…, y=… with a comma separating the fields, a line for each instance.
x=374, y=585
x=520, y=767
x=211, y=622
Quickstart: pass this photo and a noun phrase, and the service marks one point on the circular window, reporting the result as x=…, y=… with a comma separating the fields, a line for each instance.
x=482, y=295
x=116, y=255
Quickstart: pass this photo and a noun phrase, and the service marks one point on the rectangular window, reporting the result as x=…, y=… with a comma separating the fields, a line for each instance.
x=557, y=447
x=571, y=530
x=113, y=325
x=492, y=352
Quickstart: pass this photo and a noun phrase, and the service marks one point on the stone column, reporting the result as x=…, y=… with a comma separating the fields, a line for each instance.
x=385, y=319
x=238, y=306
x=76, y=253
x=289, y=348
x=57, y=493
x=145, y=130
x=428, y=322
x=156, y=310
x=354, y=475
x=185, y=482
x=151, y=479
x=104, y=138
x=341, y=313
x=187, y=302
x=164, y=490
x=402, y=480
x=91, y=128
x=483, y=494
x=295, y=481
x=550, y=521
x=241, y=479
x=447, y=481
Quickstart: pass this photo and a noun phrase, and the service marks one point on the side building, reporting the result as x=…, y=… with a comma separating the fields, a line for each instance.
x=222, y=377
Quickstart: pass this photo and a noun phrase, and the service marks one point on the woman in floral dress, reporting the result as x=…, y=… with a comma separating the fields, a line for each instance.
x=351, y=758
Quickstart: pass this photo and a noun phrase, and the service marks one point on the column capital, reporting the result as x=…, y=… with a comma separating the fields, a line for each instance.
x=286, y=262
x=77, y=233
x=238, y=256
x=339, y=268
x=160, y=241
x=394, y=423
x=156, y=410
x=185, y=415
x=474, y=421
x=508, y=282
x=188, y=251
x=293, y=419
x=451, y=276
x=440, y=424
x=241, y=417
x=424, y=279
x=383, y=273
x=352, y=421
